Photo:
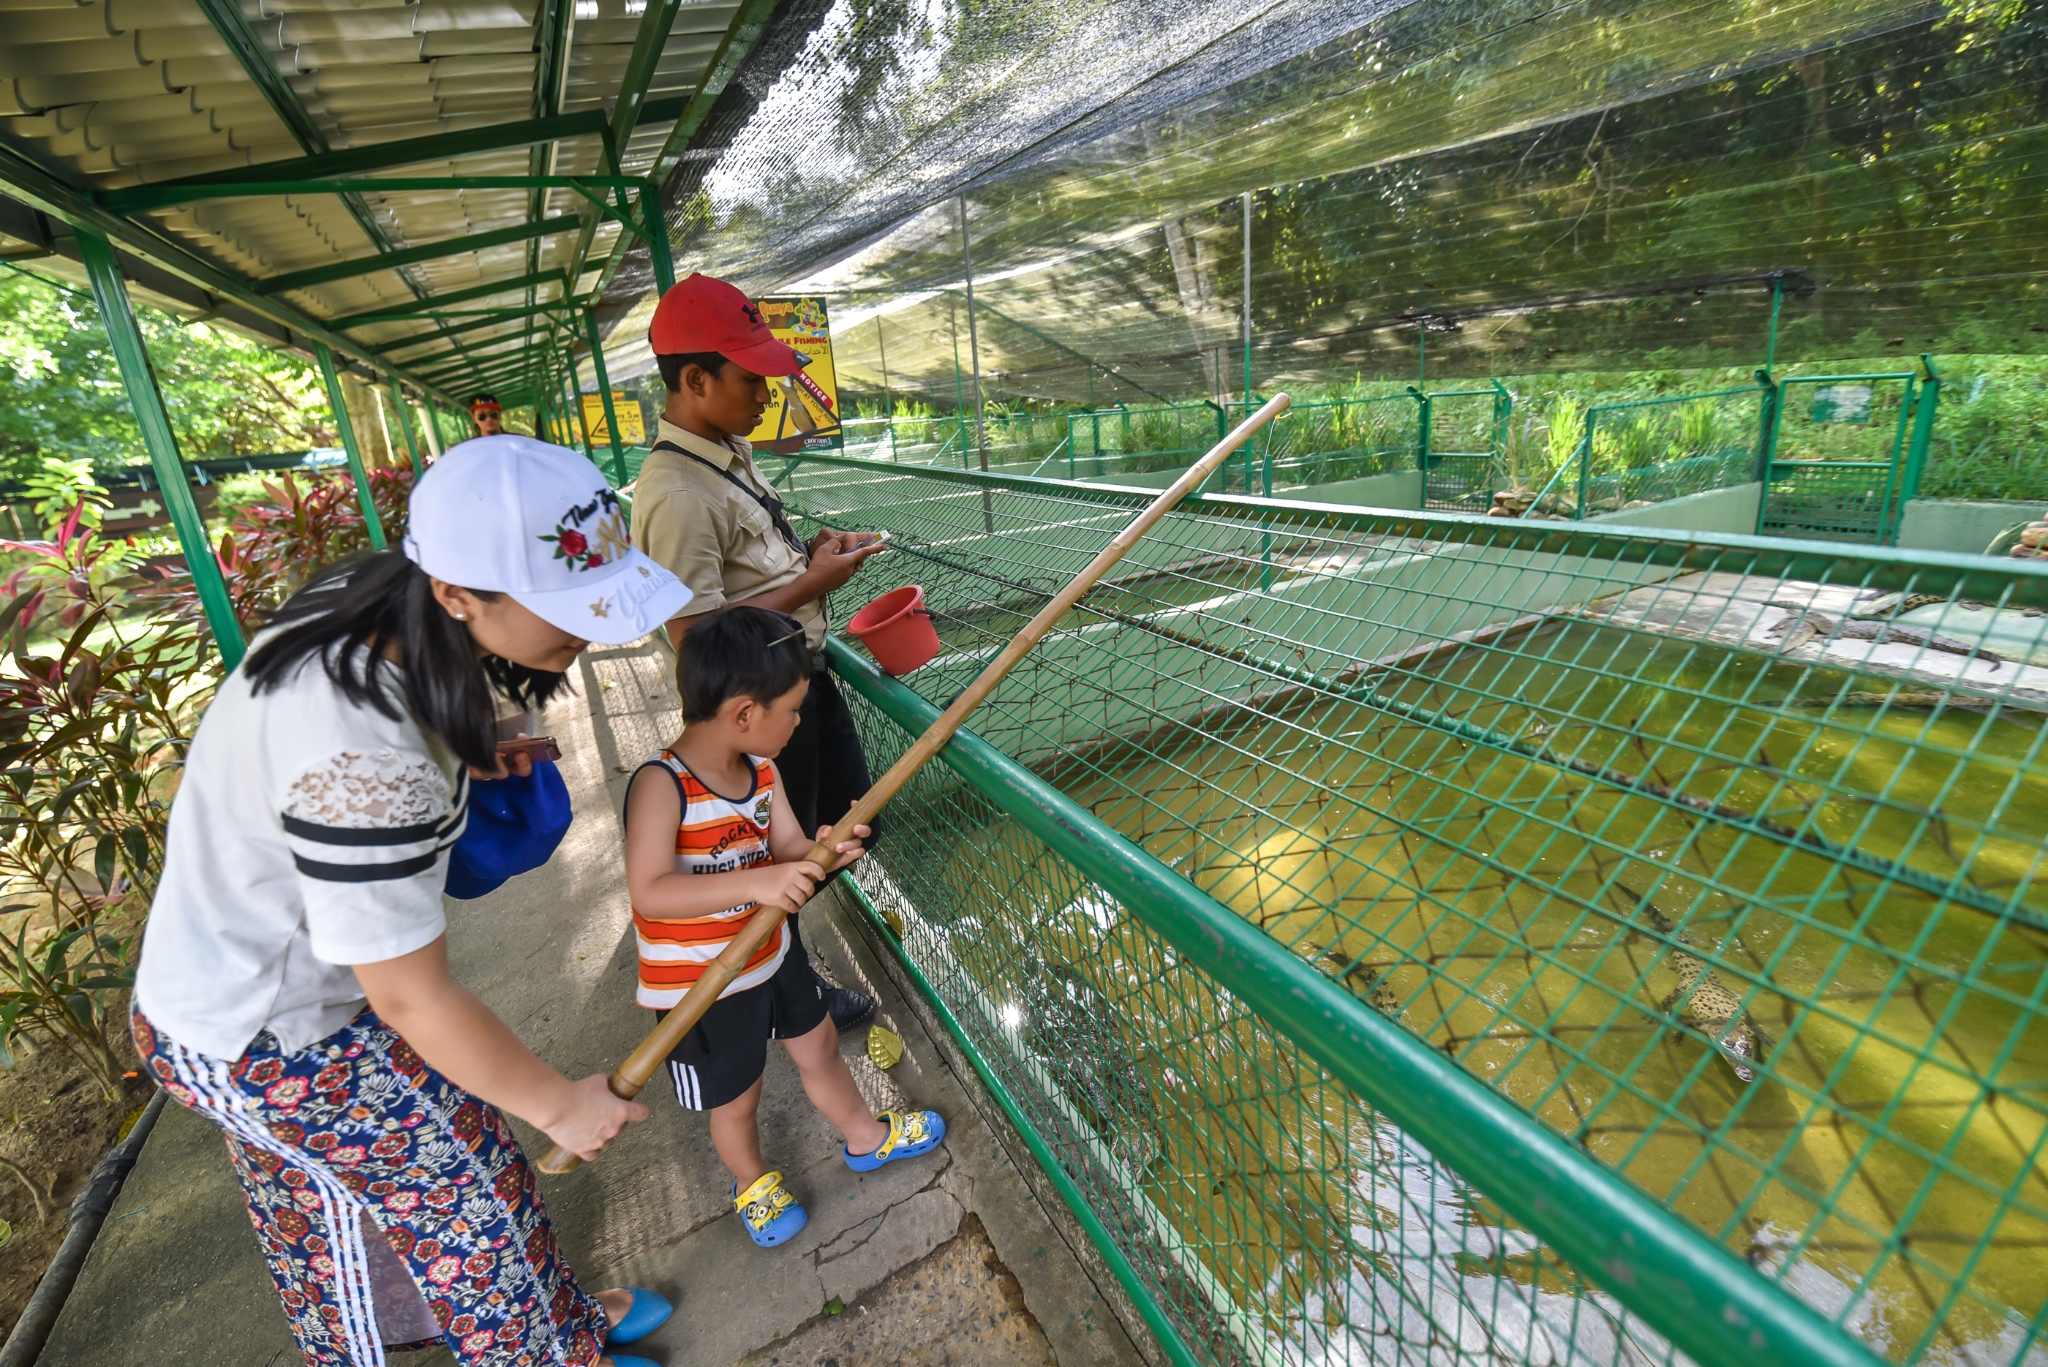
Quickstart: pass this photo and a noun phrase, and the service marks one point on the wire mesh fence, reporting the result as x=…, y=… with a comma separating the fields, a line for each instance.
x=1721, y=862
x=1837, y=455
x=1632, y=455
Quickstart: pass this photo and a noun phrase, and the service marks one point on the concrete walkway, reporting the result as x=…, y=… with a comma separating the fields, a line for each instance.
x=946, y=1259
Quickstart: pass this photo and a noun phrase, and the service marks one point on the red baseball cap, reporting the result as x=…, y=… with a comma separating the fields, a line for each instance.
x=706, y=314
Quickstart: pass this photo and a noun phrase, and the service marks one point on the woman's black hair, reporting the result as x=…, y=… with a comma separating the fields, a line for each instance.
x=710, y=362
x=353, y=611
x=739, y=652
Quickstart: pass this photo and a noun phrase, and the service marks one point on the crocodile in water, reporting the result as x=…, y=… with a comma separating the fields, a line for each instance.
x=1713, y=1010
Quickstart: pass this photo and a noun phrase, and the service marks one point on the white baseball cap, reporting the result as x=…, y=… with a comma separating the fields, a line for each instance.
x=513, y=515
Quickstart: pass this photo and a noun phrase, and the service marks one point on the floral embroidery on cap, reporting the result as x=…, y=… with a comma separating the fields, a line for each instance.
x=608, y=531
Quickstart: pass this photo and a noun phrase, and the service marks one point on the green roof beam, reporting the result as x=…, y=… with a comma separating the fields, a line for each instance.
x=408, y=256
x=387, y=156
x=233, y=28
x=347, y=429
x=492, y=359
x=143, y=198
x=393, y=313
x=38, y=189
x=656, y=21
x=746, y=29
x=495, y=318
x=138, y=377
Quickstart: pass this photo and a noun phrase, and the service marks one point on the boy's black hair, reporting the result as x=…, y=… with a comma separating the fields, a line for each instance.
x=350, y=613
x=710, y=362
x=739, y=652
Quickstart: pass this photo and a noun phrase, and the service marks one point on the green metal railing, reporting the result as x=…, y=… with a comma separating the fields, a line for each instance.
x=1842, y=453
x=1425, y=938
x=1646, y=451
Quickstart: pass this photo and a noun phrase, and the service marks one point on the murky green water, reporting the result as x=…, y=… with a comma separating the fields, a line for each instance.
x=1531, y=919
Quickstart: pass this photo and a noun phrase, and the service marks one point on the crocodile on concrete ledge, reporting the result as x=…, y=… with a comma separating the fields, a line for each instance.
x=1803, y=624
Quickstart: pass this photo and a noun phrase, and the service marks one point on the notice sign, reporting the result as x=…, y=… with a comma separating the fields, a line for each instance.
x=804, y=406
x=1841, y=403
x=632, y=428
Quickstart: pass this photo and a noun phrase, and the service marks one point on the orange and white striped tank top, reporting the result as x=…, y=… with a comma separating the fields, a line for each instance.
x=717, y=835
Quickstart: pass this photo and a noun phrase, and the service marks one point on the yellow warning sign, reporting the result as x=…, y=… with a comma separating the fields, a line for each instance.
x=632, y=428
x=805, y=406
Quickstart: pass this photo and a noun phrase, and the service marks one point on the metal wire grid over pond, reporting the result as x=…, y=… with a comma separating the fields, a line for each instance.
x=1692, y=850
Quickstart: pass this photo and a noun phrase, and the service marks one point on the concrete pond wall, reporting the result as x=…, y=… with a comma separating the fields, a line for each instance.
x=1943, y=524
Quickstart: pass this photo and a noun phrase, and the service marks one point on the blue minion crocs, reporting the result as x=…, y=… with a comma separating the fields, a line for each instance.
x=647, y=1313
x=909, y=1135
x=769, y=1212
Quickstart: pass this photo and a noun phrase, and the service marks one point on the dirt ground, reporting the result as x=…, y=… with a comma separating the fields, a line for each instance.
x=55, y=1123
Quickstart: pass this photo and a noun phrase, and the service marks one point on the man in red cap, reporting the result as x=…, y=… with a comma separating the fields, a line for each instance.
x=488, y=416
x=703, y=510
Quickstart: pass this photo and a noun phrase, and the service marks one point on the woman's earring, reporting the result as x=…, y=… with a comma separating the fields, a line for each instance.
x=462, y=617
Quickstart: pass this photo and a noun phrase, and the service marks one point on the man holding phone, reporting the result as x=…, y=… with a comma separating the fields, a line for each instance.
x=703, y=510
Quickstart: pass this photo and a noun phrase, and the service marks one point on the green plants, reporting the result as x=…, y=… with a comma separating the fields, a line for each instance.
x=61, y=484
x=97, y=688
x=270, y=546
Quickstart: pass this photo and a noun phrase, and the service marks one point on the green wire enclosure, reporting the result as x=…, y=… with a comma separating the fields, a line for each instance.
x=1703, y=872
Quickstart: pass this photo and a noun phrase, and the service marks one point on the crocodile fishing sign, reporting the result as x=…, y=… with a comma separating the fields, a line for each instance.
x=804, y=406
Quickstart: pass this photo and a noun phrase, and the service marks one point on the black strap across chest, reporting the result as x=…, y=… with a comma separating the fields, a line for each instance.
x=770, y=504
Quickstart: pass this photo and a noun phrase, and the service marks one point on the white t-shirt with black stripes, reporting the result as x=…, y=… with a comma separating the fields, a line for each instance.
x=308, y=834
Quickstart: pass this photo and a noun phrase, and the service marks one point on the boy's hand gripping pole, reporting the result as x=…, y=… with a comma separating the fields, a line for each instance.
x=641, y=1065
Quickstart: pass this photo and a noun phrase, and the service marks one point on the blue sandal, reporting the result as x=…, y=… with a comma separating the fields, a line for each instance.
x=647, y=1313
x=909, y=1135
x=769, y=1212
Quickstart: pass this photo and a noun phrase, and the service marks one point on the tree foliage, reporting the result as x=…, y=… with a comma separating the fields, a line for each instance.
x=61, y=394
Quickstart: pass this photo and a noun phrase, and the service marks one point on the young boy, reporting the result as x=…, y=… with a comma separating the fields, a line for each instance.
x=709, y=838
x=703, y=510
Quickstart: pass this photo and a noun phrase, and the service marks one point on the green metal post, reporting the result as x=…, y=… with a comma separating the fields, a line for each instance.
x=604, y=387
x=575, y=389
x=658, y=251
x=1247, y=302
x=1771, y=342
x=1422, y=417
x=1585, y=458
x=332, y=379
x=139, y=379
x=1422, y=354
x=1766, y=442
x=1923, y=433
x=440, y=428
x=412, y=446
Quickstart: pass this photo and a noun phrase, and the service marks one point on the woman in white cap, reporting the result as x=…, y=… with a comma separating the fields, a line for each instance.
x=294, y=986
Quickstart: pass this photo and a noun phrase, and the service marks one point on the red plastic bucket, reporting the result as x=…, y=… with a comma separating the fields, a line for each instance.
x=897, y=630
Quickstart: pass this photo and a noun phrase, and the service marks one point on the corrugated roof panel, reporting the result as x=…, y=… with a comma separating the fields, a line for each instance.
x=112, y=94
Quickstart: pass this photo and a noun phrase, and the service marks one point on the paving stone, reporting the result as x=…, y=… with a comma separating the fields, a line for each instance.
x=959, y=1305
x=861, y=1258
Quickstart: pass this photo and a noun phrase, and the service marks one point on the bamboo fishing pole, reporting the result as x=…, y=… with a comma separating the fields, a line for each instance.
x=640, y=1066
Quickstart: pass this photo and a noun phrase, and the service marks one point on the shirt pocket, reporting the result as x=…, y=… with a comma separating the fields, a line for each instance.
x=761, y=546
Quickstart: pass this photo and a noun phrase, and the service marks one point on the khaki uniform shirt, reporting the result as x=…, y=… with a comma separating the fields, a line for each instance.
x=717, y=539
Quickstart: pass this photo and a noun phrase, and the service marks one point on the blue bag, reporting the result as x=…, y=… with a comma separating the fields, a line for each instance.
x=514, y=825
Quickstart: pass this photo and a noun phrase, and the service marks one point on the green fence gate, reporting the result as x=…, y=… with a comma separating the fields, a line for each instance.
x=1837, y=450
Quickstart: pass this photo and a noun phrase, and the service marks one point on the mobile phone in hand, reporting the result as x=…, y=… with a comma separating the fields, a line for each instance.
x=866, y=539
x=538, y=747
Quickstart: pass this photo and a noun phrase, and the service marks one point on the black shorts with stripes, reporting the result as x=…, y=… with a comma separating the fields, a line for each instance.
x=726, y=1051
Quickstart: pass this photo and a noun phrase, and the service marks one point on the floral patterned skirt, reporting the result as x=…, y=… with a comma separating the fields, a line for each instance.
x=392, y=1205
